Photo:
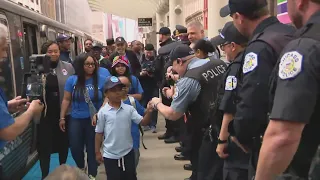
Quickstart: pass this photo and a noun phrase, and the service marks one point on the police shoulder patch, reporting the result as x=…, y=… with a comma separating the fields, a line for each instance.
x=231, y=83
x=176, y=93
x=250, y=62
x=290, y=65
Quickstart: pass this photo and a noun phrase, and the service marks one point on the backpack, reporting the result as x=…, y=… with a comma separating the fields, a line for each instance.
x=133, y=103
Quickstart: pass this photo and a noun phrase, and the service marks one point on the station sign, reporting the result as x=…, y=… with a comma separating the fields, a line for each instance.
x=143, y=22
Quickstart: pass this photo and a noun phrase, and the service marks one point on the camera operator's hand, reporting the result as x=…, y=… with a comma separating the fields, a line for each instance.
x=36, y=108
x=17, y=104
x=143, y=72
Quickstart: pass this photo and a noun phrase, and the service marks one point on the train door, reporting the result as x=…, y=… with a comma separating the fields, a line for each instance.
x=30, y=41
x=7, y=74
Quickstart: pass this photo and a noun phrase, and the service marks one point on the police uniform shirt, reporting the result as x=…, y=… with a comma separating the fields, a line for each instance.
x=227, y=104
x=258, y=63
x=237, y=158
x=187, y=89
x=297, y=94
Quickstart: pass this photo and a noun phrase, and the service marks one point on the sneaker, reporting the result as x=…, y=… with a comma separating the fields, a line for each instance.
x=91, y=177
x=146, y=128
x=153, y=129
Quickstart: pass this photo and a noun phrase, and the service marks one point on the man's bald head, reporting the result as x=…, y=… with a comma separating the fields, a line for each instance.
x=195, y=31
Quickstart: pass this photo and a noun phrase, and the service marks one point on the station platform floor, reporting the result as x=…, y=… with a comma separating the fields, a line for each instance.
x=156, y=163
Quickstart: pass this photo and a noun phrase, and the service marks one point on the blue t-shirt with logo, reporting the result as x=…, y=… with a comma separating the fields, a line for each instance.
x=135, y=127
x=79, y=107
x=104, y=72
x=136, y=87
x=6, y=118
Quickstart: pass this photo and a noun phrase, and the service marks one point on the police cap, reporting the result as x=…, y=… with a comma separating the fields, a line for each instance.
x=245, y=7
x=181, y=29
x=181, y=51
x=229, y=33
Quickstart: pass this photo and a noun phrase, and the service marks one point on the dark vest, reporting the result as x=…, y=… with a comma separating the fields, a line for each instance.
x=208, y=75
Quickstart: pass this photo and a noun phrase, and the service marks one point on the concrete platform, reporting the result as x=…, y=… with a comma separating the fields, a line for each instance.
x=157, y=163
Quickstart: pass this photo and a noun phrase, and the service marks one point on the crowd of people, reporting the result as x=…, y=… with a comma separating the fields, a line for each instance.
x=250, y=116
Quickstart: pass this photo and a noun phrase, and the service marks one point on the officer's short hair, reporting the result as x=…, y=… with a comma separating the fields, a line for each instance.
x=196, y=24
x=65, y=172
x=3, y=33
x=258, y=13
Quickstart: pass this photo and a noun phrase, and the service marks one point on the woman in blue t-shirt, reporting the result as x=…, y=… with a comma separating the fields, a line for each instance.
x=81, y=127
x=120, y=67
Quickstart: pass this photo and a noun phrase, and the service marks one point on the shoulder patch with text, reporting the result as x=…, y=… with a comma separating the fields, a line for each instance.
x=290, y=65
x=176, y=93
x=250, y=62
x=231, y=83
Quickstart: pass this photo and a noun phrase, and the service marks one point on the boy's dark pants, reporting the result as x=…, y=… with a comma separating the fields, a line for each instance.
x=114, y=172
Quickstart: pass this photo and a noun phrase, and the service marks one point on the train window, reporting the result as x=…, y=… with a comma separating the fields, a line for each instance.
x=30, y=35
x=52, y=34
x=6, y=75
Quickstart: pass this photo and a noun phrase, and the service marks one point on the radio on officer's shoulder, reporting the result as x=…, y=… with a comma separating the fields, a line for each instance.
x=32, y=85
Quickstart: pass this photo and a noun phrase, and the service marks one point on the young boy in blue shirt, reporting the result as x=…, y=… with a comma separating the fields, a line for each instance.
x=114, y=123
x=140, y=109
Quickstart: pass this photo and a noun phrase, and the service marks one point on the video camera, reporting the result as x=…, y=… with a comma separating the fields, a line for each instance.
x=32, y=86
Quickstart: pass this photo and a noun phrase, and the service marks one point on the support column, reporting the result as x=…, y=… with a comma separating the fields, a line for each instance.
x=160, y=18
x=176, y=14
x=215, y=22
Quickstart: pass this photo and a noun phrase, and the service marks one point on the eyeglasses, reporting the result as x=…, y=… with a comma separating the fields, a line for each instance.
x=223, y=45
x=90, y=64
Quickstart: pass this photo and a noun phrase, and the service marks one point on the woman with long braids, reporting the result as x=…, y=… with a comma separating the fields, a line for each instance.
x=49, y=137
x=84, y=92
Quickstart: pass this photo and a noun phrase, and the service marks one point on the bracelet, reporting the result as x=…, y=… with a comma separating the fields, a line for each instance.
x=156, y=105
x=62, y=119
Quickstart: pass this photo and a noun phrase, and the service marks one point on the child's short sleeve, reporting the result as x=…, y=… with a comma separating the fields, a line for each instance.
x=135, y=116
x=100, y=122
x=69, y=84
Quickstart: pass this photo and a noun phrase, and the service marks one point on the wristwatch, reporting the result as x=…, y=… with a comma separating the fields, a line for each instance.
x=222, y=141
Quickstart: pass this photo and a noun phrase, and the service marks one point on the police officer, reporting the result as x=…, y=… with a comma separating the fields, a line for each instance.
x=236, y=161
x=161, y=64
x=292, y=136
x=182, y=34
x=11, y=128
x=195, y=93
x=252, y=19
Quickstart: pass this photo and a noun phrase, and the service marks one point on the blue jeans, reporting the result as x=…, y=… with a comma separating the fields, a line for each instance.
x=82, y=133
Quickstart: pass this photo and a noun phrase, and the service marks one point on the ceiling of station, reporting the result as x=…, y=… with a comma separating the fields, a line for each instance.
x=132, y=9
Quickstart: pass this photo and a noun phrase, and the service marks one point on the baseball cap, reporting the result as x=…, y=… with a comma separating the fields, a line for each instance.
x=149, y=47
x=164, y=31
x=111, y=83
x=229, y=33
x=63, y=37
x=120, y=59
x=120, y=40
x=97, y=46
x=245, y=7
x=181, y=51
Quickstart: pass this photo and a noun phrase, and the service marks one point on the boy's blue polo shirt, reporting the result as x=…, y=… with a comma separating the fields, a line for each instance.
x=115, y=124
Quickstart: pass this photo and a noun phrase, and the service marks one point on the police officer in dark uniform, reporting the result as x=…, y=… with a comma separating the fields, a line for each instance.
x=268, y=37
x=292, y=136
x=236, y=161
x=195, y=93
x=161, y=65
x=182, y=34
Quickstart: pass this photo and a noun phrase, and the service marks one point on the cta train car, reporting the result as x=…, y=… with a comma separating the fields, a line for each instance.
x=28, y=30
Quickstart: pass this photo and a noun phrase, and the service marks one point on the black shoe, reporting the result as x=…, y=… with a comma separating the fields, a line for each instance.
x=187, y=167
x=178, y=149
x=171, y=140
x=164, y=136
x=180, y=157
